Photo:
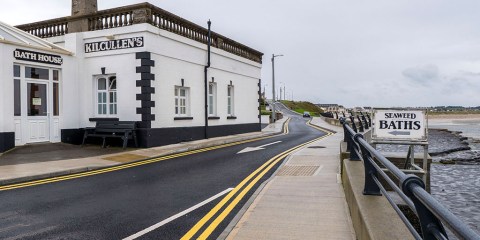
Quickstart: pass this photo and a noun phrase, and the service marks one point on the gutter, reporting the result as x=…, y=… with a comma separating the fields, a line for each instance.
x=206, y=80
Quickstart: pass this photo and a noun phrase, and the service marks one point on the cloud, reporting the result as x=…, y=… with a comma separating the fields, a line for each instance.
x=423, y=75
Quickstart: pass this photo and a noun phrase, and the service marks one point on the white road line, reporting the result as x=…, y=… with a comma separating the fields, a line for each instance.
x=318, y=170
x=268, y=144
x=149, y=229
x=251, y=149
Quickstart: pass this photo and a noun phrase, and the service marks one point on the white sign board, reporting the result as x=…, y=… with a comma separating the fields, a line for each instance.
x=399, y=124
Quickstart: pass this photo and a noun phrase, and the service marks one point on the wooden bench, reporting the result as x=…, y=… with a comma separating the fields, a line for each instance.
x=113, y=129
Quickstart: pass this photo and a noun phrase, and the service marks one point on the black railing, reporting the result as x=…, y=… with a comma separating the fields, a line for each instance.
x=431, y=213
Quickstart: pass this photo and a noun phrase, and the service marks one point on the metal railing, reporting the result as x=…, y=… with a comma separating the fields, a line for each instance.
x=431, y=213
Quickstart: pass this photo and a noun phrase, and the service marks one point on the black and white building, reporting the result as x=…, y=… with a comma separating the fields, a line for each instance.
x=134, y=63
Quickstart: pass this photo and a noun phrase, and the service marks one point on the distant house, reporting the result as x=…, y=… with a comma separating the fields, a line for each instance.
x=133, y=63
x=331, y=107
x=358, y=109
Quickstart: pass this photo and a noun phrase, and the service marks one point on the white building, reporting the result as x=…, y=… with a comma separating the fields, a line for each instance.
x=331, y=107
x=135, y=63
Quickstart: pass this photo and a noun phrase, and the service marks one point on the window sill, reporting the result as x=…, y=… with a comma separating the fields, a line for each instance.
x=98, y=119
x=213, y=117
x=231, y=117
x=182, y=118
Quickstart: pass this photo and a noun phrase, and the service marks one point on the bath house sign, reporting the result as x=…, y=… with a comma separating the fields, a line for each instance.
x=400, y=124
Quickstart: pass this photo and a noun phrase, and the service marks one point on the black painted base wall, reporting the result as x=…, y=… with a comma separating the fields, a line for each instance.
x=153, y=137
x=7, y=141
x=163, y=136
x=72, y=136
x=224, y=130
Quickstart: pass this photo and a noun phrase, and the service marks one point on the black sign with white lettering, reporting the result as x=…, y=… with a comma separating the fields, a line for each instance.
x=26, y=55
x=125, y=43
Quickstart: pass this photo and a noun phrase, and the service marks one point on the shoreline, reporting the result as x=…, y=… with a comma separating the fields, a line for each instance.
x=470, y=116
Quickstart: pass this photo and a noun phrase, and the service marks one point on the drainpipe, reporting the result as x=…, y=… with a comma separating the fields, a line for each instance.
x=206, y=80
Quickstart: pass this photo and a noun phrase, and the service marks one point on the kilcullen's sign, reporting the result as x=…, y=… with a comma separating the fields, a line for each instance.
x=125, y=43
x=399, y=124
x=25, y=55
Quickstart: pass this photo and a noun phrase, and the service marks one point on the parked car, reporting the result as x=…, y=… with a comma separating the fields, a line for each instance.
x=306, y=114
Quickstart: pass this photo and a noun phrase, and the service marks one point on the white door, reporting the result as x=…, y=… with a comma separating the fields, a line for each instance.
x=37, y=112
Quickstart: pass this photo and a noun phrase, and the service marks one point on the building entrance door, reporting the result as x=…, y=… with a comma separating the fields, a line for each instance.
x=38, y=122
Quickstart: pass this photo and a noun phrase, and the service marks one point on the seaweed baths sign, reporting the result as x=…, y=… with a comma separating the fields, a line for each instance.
x=400, y=124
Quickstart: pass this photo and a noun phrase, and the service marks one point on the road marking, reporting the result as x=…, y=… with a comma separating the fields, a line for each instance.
x=214, y=210
x=180, y=214
x=286, y=129
x=251, y=149
x=266, y=167
x=123, y=166
x=318, y=171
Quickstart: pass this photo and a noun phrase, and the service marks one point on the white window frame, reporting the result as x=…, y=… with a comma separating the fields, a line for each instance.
x=212, y=99
x=178, y=102
x=230, y=101
x=110, y=101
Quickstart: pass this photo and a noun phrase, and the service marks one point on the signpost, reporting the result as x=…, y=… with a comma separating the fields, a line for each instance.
x=403, y=126
x=400, y=124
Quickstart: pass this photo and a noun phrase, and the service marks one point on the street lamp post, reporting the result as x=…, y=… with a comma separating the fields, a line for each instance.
x=280, y=96
x=282, y=91
x=273, y=86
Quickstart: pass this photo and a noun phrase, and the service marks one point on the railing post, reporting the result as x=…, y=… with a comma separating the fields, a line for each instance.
x=353, y=152
x=369, y=120
x=370, y=187
x=428, y=221
x=360, y=124
x=354, y=126
x=365, y=121
x=344, y=123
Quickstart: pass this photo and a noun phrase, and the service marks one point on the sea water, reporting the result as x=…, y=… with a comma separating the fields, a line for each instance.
x=457, y=186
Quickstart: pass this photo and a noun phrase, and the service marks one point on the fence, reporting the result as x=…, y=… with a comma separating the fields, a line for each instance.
x=432, y=214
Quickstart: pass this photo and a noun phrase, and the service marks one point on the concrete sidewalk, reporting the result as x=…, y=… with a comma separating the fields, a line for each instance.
x=18, y=169
x=303, y=200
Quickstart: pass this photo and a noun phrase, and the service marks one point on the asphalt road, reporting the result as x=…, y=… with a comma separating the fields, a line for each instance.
x=118, y=204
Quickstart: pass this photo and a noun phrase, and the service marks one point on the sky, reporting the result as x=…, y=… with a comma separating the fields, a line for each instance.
x=373, y=53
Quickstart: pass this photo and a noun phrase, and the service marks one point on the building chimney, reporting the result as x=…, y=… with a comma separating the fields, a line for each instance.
x=79, y=8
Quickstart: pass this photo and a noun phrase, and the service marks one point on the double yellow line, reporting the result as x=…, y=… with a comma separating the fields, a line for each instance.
x=258, y=174
x=133, y=164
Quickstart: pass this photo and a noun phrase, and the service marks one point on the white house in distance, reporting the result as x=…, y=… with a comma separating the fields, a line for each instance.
x=133, y=63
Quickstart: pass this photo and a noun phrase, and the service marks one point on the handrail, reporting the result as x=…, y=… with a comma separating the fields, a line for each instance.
x=136, y=14
x=411, y=189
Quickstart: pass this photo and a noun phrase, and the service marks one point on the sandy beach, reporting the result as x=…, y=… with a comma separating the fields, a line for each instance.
x=454, y=116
